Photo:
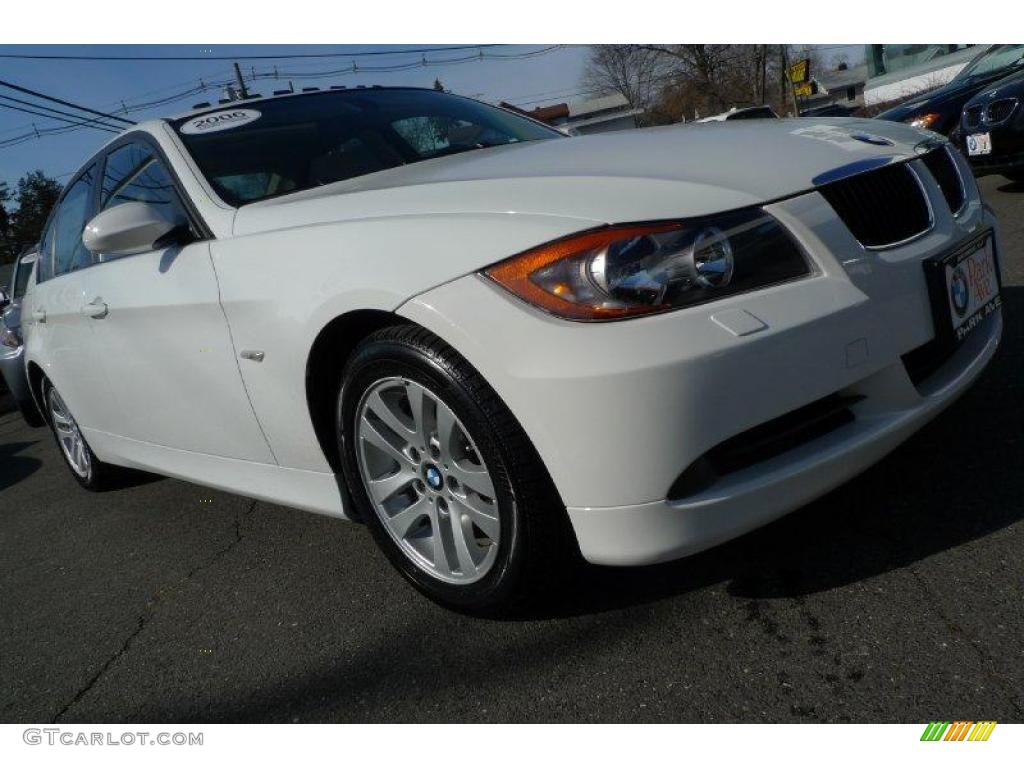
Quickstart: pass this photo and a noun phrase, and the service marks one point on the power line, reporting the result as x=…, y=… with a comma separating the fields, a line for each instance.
x=59, y=112
x=54, y=99
x=275, y=74
x=205, y=82
x=54, y=117
x=263, y=57
x=355, y=69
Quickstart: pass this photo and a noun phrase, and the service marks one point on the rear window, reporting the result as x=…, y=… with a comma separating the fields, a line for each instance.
x=254, y=150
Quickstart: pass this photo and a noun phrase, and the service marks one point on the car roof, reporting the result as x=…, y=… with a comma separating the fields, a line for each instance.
x=205, y=107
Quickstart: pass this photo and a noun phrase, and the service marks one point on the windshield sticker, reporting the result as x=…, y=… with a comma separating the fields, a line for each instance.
x=219, y=121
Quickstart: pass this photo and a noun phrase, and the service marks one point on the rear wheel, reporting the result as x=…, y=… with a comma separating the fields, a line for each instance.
x=90, y=472
x=444, y=476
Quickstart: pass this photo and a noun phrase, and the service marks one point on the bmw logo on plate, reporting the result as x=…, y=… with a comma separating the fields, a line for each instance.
x=958, y=291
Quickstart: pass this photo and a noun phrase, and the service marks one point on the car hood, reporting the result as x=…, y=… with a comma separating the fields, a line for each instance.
x=1008, y=87
x=931, y=101
x=674, y=171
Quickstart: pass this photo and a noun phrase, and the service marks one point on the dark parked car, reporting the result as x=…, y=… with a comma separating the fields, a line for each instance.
x=939, y=110
x=992, y=129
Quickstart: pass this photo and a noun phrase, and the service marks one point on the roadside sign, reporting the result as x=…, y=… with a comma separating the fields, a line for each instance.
x=803, y=90
x=800, y=72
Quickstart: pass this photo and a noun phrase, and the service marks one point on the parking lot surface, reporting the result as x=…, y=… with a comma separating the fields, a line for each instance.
x=898, y=597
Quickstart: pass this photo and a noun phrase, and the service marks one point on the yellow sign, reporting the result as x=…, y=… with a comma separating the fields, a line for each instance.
x=803, y=90
x=800, y=72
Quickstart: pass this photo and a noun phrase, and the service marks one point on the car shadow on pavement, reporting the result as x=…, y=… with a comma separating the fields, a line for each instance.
x=957, y=480
x=15, y=468
x=1012, y=187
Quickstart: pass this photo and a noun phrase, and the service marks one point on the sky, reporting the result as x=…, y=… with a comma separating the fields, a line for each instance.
x=553, y=75
x=528, y=75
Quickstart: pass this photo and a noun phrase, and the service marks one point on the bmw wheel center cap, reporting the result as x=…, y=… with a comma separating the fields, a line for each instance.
x=434, y=478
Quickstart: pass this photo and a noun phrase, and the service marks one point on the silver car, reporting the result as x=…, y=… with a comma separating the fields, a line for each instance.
x=12, y=348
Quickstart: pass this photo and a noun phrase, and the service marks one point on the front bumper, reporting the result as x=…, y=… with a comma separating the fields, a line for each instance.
x=617, y=411
x=891, y=411
x=986, y=165
x=1007, y=150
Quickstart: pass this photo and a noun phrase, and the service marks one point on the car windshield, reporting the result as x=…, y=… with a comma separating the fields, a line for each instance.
x=998, y=58
x=251, y=151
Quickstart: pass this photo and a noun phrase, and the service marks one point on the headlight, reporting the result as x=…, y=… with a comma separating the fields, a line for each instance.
x=9, y=338
x=625, y=271
x=924, y=121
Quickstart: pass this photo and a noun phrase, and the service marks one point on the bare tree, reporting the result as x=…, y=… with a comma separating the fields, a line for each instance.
x=631, y=70
x=674, y=82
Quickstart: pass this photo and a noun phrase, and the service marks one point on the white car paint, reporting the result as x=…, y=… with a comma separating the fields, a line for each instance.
x=615, y=410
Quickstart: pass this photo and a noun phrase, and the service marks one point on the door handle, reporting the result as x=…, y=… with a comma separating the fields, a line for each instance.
x=39, y=315
x=95, y=308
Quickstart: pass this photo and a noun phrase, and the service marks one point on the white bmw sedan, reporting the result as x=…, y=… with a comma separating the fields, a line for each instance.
x=498, y=346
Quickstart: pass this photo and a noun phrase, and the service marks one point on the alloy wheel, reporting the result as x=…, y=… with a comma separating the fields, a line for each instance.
x=427, y=480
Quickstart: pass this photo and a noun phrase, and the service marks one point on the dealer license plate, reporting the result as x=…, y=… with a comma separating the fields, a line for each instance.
x=979, y=144
x=972, y=286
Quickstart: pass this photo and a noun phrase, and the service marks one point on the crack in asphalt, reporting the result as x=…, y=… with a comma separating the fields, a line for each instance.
x=150, y=607
x=987, y=661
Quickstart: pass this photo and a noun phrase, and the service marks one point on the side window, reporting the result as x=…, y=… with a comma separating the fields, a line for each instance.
x=46, y=251
x=69, y=252
x=134, y=173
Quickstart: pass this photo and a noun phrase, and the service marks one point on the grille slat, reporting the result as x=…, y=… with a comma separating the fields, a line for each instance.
x=941, y=166
x=881, y=207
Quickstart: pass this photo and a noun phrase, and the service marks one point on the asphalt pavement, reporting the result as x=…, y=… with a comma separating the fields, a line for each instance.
x=897, y=598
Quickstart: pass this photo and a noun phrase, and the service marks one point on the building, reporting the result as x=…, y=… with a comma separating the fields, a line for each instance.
x=597, y=115
x=897, y=72
x=842, y=87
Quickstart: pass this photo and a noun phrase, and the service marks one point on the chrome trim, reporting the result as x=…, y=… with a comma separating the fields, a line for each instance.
x=988, y=108
x=923, y=232
x=856, y=168
x=960, y=175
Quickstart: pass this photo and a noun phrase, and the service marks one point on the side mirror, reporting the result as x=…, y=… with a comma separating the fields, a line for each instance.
x=130, y=228
x=4, y=298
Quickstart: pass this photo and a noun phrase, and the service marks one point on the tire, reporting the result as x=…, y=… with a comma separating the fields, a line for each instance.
x=91, y=473
x=446, y=491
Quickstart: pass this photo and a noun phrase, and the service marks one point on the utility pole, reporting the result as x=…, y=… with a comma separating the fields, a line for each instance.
x=784, y=80
x=241, y=83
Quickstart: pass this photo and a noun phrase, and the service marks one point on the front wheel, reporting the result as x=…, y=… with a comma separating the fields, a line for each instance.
x=445, y=477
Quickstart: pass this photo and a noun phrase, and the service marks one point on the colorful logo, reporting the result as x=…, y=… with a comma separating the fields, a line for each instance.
x=958, y=291
x=960, y=730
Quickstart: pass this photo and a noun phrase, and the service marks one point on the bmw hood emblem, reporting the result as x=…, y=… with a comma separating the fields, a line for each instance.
x=870, y=138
